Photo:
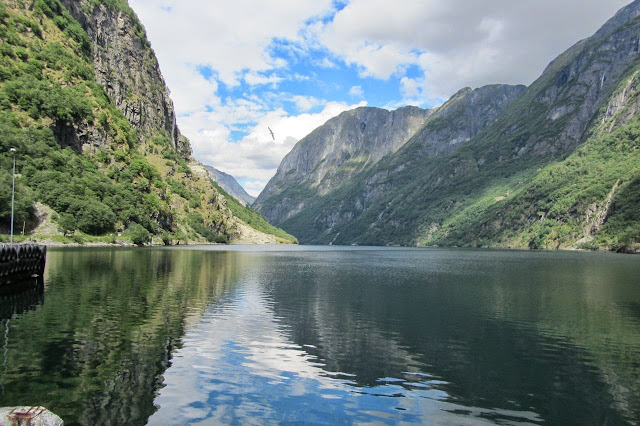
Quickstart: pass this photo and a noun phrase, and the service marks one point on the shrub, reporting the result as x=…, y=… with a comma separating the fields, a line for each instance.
x=138, y=234
x=196, y=222
x=166, y=239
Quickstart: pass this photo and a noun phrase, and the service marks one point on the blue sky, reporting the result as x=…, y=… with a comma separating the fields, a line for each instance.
x=236, y=68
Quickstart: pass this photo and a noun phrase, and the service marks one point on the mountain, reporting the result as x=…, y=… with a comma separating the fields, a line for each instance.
x=99, y=155
x=310, y=175
x=555, y=165
x=335, y=152
x=230, y=185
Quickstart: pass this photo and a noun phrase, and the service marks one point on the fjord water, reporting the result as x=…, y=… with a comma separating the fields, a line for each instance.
x=326, y=335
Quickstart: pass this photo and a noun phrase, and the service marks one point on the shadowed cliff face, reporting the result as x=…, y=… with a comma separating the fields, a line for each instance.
x=459, y=120
x=126, y=66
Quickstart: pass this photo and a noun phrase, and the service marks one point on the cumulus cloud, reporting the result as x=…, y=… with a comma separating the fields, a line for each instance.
x=459, y=43
x=255, y=79
x=306, y=103
x=326, y=63
x=409, y=87
x=192, y=91
x=229, y=36
x=254, y=187
x=356, y=92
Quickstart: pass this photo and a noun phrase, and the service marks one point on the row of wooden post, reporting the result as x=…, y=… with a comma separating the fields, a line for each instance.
x=18, y=261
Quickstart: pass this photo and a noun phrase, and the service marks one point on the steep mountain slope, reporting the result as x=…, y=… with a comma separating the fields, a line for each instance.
x=230, y=185
x=94, y=128
x=590, y=200
x=251, y=219
x=334, y=153
x=445, y=130
x=463, y=196
x=127, y=68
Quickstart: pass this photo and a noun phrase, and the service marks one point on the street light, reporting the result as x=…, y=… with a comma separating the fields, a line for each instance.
x=13, y=190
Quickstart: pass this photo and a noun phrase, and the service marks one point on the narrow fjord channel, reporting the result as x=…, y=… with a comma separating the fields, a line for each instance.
x=218, y=334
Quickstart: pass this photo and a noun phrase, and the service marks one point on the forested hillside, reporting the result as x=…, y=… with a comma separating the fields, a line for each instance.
x=99, y=155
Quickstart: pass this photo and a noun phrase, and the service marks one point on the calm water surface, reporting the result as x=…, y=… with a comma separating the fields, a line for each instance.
x=206, y=335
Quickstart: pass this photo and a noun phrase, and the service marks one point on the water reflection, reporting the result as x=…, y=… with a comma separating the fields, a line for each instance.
x=357, y=336
x=239, y=365
x=327, y=335
x=94, y=353
x=22, y=296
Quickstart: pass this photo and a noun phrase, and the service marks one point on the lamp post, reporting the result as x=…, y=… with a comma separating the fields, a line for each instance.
x=13, y=190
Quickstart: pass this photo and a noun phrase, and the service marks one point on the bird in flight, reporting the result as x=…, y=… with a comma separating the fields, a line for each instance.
x=272, y=135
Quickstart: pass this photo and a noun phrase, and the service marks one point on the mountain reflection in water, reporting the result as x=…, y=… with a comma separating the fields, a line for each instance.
x=329, y=335
x=357, y=335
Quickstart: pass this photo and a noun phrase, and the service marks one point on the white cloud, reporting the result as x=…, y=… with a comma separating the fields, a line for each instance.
x=409, y=87
x=255, y=79
x=191, y=92
x=229, y=36
x=460, y=43
x=254, y=187
x=306, y=103
x=356, y=92
x=326, y=63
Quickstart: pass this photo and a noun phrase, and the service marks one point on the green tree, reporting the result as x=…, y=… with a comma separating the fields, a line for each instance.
x=94, y=217
x=67, y=224
x=138, y=234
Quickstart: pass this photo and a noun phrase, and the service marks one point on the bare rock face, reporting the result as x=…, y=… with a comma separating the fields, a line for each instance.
x=347, y=144
x=583, y=78
x=339, y=149
x=126, y=66
x=463, y=116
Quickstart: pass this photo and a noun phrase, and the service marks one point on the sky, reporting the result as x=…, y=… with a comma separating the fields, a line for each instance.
x=237, y=68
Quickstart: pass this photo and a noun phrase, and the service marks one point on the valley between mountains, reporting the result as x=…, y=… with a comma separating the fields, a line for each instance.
x=100, y=158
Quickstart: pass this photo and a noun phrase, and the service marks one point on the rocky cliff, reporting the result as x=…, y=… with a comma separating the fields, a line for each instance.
x=231, y=185
x=460, y=179
x=126, y=66
x=431, y=132
x=335, y=152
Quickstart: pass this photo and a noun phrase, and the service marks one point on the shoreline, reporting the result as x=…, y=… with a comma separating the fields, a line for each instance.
x=123, y=244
